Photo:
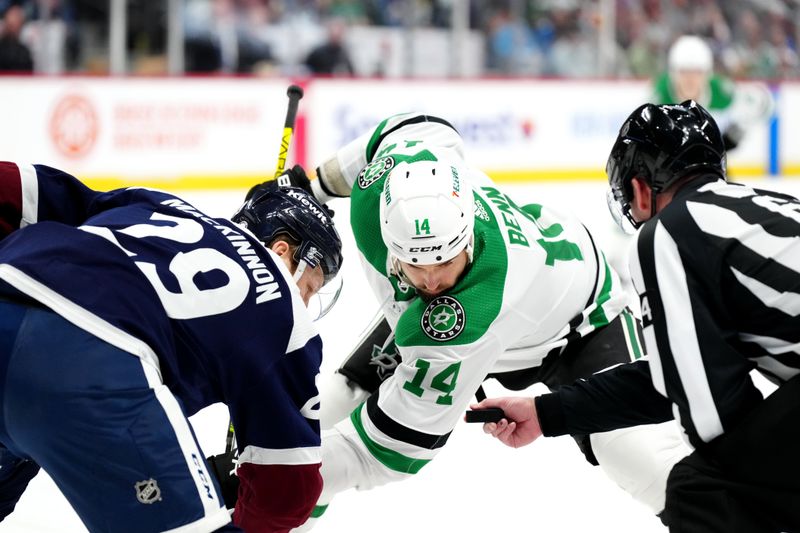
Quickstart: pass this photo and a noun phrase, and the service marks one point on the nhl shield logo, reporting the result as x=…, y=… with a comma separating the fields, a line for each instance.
x=147, y=491
x=374, y=171
x=443, y=319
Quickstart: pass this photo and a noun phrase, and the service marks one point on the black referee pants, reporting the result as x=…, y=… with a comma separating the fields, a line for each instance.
x=747, y=480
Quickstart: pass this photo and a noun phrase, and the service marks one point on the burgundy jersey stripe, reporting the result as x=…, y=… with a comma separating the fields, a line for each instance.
x=10, y=198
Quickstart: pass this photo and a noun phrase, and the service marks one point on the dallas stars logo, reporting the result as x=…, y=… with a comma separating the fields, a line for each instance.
x=385, y=359
x=374, y=171
x=443, y=319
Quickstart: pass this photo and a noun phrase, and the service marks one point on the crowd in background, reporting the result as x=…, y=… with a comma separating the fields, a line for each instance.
x=750, y=38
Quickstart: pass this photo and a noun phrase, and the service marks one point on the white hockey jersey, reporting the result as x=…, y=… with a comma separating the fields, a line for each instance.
x=536, y=280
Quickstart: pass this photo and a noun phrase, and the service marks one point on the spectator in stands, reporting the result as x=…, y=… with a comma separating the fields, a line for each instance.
x=52, y=35
x=784, y=48
x=353, y=11
x=331, y=58
x=217, y=40
x=14, y=56
x=645, y=45
x=512, y=46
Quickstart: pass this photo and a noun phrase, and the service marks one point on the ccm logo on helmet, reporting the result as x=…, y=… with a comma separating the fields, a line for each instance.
x=418, y=249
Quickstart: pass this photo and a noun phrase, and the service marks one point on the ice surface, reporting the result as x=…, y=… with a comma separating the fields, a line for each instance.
x=475, y=484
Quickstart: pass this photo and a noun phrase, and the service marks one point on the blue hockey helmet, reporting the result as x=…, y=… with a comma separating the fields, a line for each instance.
x=662, y=144
x=272, y=211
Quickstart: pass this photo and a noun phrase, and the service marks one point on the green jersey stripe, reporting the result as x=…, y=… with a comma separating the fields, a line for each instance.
x=388, y=458
x=318, y=511
x=597, y=317
x=632, y=337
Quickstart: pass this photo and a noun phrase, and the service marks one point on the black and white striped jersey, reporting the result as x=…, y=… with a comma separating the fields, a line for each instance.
x=717, y=272
x=718, y=277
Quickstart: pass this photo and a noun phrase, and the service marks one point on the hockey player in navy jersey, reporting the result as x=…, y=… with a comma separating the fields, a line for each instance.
x=122, y=313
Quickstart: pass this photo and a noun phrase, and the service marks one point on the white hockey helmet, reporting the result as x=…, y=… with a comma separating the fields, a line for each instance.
x=427, y=212
x=690, y=52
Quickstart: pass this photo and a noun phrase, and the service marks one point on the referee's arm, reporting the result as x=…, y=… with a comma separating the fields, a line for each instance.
x=620, y=397
x=678, y=278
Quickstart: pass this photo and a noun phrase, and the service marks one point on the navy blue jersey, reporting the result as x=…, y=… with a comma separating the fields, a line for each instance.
x=199, y=298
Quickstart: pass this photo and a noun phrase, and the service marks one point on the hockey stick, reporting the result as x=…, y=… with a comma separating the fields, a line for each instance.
x=295, y=93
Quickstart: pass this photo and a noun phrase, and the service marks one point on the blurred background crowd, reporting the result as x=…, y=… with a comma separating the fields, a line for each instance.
x=372, y=38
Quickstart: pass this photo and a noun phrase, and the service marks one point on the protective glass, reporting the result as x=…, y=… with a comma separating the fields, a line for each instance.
x=621, y=212
x=322, y=302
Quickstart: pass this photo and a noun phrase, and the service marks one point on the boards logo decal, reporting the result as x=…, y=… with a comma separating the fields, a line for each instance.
x=374, y=171
x=443, y=319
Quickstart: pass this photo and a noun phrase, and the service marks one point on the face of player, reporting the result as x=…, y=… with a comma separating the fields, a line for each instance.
x=432, y=280
x=312, y=279
x=689, y=84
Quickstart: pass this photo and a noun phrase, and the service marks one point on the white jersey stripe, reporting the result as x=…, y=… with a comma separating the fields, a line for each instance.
x=724, y=223
x=30, y=194
x=80, y=316
x=723, y=188
x=650, y=346
x=281, y=456
x=194, y=458
x=683, y=336
x=215, y=513
x=776, y=368
x=772, y=345
x=788, y=302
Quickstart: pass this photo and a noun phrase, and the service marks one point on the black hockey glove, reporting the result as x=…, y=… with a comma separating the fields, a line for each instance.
x=222, y=467
x=374, y=359
x=732, y=136
x=295, y=177
x=291, y=177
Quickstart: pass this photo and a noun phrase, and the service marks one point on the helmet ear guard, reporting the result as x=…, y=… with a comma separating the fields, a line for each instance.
x=274, y=211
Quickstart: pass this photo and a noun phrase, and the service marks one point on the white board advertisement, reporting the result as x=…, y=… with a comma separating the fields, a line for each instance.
x=190, y=130
x=223, y=132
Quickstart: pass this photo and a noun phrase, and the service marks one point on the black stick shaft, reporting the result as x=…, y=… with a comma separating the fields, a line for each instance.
x=295, y=93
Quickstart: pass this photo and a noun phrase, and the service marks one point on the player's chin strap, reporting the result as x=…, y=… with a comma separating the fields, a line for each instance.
x=298, y=272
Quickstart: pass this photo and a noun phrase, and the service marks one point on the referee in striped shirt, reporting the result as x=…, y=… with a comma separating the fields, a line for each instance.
x=717, y=269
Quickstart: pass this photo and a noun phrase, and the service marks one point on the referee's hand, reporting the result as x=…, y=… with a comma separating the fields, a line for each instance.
x=525, y=426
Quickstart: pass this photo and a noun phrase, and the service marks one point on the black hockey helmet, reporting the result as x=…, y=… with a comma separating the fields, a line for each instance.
x=273, y=211
x=662, y=144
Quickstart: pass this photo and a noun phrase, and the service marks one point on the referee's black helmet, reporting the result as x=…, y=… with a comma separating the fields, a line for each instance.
x=661, y=144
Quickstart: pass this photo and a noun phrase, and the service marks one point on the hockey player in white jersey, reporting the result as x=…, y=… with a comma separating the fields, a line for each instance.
x=471, y=286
